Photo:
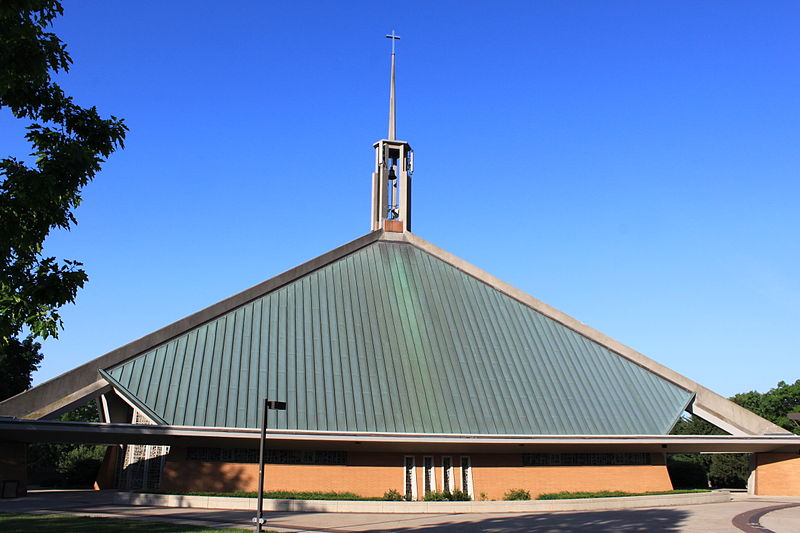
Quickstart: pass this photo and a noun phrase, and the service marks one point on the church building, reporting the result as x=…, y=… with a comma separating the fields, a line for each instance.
x=403, y=368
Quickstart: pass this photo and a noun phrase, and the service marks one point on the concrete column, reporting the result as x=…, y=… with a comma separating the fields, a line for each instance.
x=751, y=478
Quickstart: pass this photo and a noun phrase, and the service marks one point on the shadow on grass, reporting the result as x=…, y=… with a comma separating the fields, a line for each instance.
x=57, y=523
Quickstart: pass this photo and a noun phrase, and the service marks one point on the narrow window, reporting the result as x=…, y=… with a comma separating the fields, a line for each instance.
x=410, y=478
x=466, y=475
x=447, y=473
x=430, y=479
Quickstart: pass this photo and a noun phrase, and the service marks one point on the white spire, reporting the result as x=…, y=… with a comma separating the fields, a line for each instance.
x=391, y=180
x=392, y=119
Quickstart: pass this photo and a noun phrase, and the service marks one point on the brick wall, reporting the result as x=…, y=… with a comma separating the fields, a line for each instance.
x=366, y=475
x=371, y=474
x=495, y=474
x=777, y=474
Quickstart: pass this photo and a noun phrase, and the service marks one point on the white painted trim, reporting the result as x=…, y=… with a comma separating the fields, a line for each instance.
x=731, y=443
x=104, y=412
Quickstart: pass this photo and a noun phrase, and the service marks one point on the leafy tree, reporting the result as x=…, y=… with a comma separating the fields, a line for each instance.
x=730, y=470
x=69, y=143
x=67, y=465
x=775, y=404
x=694, y=425
x=18, y=360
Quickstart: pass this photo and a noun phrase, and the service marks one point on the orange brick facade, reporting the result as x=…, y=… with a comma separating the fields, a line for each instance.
x=495, y=474
x=777, y=474
x=372, y=474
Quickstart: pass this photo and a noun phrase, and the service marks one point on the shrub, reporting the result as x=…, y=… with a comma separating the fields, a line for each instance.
x=392, y=495
x=446, y=496
x=79, y=465
x=517, y=494
x=270, y=494
x=459, y=496
x=611, y=494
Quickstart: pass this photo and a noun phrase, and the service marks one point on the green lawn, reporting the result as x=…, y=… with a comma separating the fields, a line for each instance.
x=58, y=523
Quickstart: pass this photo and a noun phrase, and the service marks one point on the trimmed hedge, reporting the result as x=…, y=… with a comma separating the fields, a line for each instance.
x=610, y=494
x=272, y=494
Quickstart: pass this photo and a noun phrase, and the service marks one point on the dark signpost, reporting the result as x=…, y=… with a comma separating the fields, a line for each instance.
x=268, y=404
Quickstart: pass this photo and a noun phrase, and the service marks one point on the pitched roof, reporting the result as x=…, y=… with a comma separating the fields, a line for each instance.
x=473, y=350
x=392, y=339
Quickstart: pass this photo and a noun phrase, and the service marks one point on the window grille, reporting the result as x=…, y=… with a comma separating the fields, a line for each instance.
x=447, y=473
x=585, y=459
x=466, y=475
x=278, y=457
x=142, y=465
x=429, y=479
x=410, y=478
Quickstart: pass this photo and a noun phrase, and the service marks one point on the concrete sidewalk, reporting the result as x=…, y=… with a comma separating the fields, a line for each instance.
x=708, y=518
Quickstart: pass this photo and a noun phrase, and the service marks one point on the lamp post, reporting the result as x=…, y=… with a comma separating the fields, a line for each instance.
x=268, y=404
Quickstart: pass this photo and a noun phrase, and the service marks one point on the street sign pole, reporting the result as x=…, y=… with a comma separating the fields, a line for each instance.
x=281, y=406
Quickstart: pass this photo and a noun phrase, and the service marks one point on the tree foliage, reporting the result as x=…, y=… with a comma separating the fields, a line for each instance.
x=69, y=143
x=731, y=470
x=18, y=360
x=67, y=465
x=774, y=405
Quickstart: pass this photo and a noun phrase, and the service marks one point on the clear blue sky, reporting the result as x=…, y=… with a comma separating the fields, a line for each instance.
x=634, y=164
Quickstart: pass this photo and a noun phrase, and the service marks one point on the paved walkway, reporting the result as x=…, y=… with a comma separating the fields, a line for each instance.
x=707, y=518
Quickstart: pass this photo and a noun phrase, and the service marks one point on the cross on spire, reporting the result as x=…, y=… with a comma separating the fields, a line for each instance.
x=394, y=38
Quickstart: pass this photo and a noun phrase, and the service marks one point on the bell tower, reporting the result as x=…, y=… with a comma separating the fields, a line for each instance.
x=391, y=180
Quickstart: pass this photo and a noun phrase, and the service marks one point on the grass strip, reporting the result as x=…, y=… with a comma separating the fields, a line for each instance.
x=60, y=523
x=610, y=494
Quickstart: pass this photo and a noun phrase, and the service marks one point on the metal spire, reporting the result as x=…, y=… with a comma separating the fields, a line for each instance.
x=392, y=120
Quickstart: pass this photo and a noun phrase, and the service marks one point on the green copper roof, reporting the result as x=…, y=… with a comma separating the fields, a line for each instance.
x=393, y=339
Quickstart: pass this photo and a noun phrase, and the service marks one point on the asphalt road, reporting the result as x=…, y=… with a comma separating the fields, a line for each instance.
x=705, y=518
